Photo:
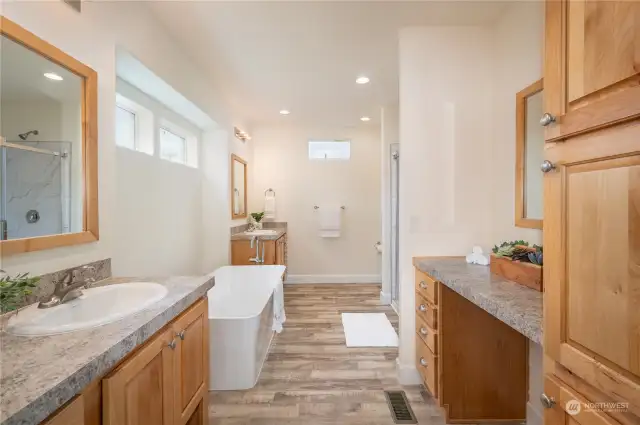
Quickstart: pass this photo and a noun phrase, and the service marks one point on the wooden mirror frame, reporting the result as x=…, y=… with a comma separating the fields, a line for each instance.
x=235, y=157
x=521, y=117
x=90, y=225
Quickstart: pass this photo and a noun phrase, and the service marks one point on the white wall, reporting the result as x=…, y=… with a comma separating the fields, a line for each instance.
x=517, y=62
x=517, y=41
x=281, y=162
x=159, y=203
x=92, y=37
x=445, y=173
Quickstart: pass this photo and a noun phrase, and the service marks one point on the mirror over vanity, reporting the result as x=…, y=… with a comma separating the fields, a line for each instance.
x=238, y=187
x=48, y=145
x=529, y=156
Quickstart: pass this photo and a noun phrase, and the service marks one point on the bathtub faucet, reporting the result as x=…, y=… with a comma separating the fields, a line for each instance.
x=257, y=259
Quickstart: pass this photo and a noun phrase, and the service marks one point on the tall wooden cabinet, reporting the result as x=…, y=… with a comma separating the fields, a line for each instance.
x=592, y=210
x=165, y=382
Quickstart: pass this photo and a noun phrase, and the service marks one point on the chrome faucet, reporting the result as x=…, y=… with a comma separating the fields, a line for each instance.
x=257, y=259
x=67, y=288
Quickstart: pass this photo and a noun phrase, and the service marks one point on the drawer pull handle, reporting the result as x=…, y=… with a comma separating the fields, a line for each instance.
x=423, y=331
x=423, y=362
x=423, y=285
x=547, y=402
x=422, y=307
x=172, y=344
x=181, y=335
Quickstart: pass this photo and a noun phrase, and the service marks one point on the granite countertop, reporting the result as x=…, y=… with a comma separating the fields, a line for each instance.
x=517, y=306
x=241, y=236
x=40, y=374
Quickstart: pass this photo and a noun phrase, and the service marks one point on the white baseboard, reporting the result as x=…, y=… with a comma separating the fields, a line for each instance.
x=385, y=298
x=332, y=278
x=407, y=374
x=534, y=417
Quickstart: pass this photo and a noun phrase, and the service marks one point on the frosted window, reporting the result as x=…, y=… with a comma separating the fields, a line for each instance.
x=125, y=128
x=329, y=149
x=173, y=147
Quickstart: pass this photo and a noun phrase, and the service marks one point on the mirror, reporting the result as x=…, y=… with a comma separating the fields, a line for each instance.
x=529, y=156
x=238, y=187
x=48, y=156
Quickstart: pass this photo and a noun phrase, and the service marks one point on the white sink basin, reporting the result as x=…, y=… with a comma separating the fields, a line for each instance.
x=261, y=232
x=96, y=307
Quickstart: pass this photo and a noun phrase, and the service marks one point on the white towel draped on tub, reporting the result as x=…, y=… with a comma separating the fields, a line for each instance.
x=278, y=307
x=330, y=221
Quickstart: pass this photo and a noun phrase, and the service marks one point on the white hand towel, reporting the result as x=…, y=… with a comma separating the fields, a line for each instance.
x=279, y=316
x=270, y=206
x=330, y=221
x=236, y=201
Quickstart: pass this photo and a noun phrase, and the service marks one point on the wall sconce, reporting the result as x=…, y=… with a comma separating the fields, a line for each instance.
x=242, y=135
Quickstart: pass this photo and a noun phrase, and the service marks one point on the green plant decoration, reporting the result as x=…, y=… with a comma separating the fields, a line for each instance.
x=14, y=290
x=258, y=216
x=514, y=251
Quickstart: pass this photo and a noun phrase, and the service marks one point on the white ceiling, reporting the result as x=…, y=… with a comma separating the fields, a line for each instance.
x=305, y=56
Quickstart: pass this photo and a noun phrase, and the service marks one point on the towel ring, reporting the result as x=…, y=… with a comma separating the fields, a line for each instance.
x=315, y=207
x=269, y=190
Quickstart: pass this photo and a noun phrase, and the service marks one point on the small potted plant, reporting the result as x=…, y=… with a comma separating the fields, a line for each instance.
x=14, y=290
x=255, y=220
x=519, y=262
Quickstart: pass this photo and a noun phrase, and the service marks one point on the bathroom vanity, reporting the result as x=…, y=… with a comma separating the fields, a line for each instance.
x=472, y=332
x=274, y=247
x=151, y=367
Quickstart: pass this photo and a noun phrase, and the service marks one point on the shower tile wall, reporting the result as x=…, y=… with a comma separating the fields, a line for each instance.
x=35, y=182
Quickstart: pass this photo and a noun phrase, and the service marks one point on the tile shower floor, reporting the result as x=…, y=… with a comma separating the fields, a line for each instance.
x=311, y=377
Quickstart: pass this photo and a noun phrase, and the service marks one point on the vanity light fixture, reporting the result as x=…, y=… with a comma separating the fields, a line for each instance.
x=53, y=76
x=241, y=134
x=284, y=112
x=365, y=119
x=362, y=80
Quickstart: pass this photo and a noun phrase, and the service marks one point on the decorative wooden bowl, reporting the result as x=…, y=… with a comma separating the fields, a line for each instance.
x=526, y=274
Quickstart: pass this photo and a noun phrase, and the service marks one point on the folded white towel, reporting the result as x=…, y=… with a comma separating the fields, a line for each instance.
x=330, y=221
x=270, y=206
x=279, y=316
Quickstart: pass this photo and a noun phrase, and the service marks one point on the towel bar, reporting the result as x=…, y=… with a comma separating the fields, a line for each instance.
x=269, y=190
x=315, y=207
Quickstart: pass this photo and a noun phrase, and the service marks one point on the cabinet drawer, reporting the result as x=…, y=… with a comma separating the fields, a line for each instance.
x=427, y=334
x=426, y=311
x=427, y=287
x=427, y=364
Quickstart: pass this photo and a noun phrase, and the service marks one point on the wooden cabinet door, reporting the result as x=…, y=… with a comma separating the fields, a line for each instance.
x=280, y=251
x=71, y=414
x=592, y=259
x=570, y=407
x=140, y=391
x=191, y=362
x=241, y=252
x=592, y=64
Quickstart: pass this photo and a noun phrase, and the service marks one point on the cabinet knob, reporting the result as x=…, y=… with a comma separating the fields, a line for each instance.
x=422, y=307
x=172, y=344
x=547, y=166
x=547, y=402
x=423, y=285
x=547, y=119
x=423, y=331
x=423, y=362
x=181, y=334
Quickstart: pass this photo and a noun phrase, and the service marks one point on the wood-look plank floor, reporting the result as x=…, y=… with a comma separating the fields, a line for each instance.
x=311, y=377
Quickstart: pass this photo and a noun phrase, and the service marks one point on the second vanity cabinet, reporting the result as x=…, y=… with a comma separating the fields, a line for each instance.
x=274, y=252
x=165, y=382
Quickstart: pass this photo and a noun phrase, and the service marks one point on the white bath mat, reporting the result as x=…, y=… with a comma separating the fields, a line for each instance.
x=368, y=330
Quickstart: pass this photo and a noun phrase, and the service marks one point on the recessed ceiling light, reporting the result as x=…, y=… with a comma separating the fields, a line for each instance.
x=284, y=112
x=362, y=80
x=53, y=76
x=365, y=119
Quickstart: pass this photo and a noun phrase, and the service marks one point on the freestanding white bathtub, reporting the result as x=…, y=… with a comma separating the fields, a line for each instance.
x=240, y=324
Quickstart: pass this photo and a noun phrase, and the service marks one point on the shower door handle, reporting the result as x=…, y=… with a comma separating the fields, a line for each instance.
x=4, y=235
